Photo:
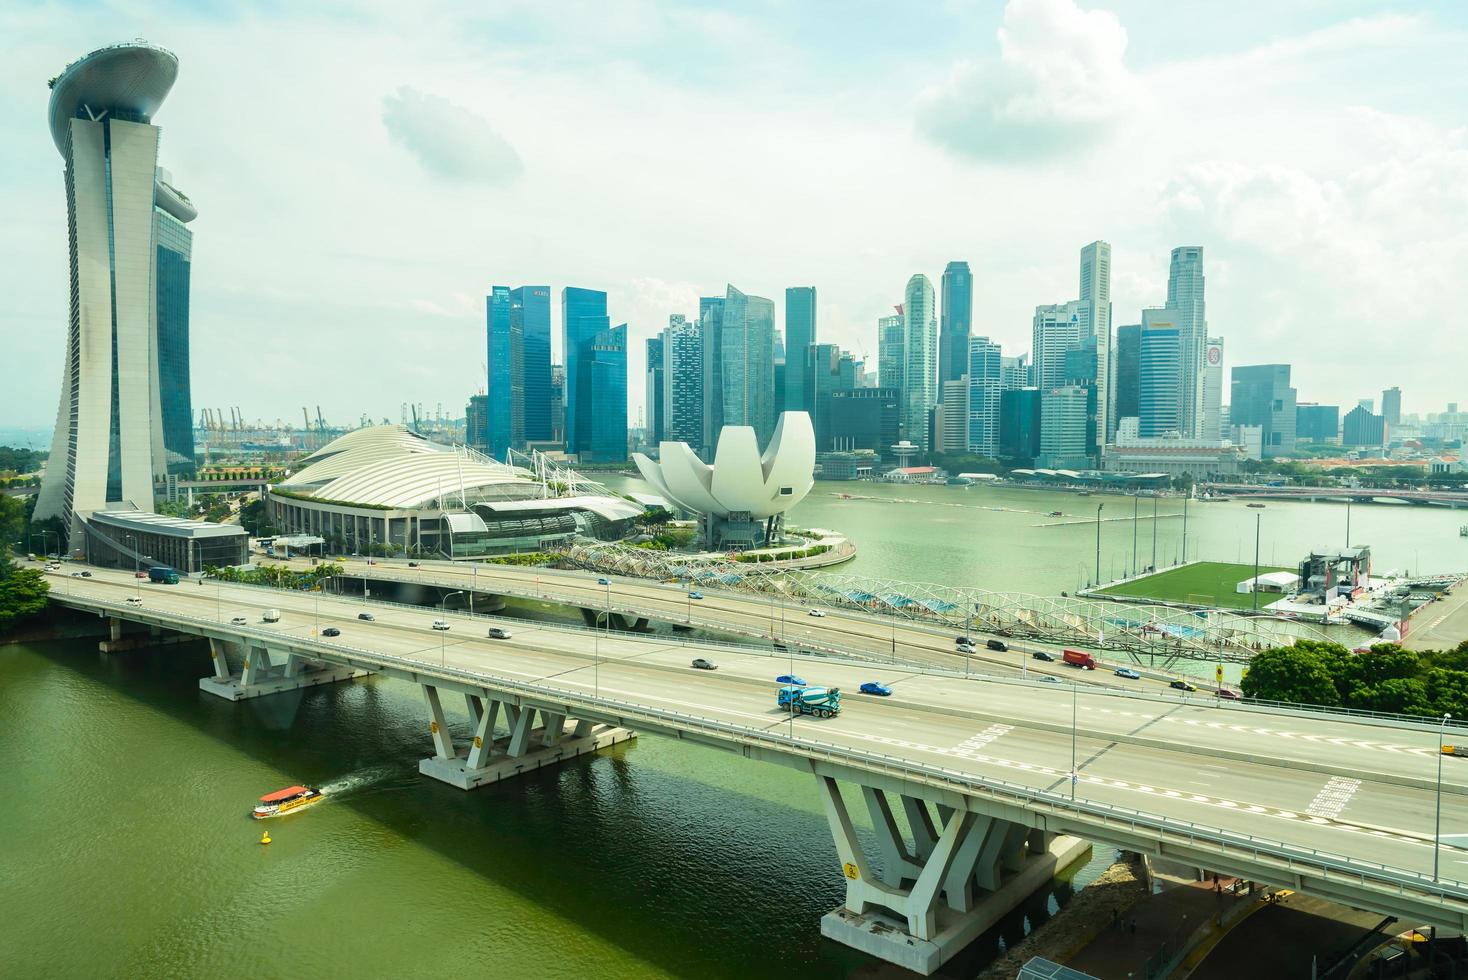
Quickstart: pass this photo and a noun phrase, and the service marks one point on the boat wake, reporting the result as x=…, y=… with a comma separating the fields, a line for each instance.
x=358, y=782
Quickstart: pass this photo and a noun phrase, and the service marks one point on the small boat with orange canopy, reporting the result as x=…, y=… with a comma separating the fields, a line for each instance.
x=287, y=800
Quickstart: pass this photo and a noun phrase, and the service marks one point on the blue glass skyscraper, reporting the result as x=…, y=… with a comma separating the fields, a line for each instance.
x=532, y=303
x=800, y=333
x=176, y=412
x=506, y=349
x=596, y=377
x=583, y=316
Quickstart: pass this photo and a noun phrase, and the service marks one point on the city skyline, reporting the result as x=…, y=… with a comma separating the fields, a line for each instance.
x=1362, y=226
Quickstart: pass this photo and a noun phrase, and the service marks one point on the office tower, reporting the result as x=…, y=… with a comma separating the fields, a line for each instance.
x=1261, y=395
x=1363, y=429
x=583, y=317
x=596, y=377
x=920, y=337
x=1096, y=296
x=865, y=418
x=1391, y=406
x=891, y=347
x=558, y=404
x=1126, y=377
x=1317, y=423
x=1185, y=294
x=123, y=392
x=1080, y=370
x=505, y=343
x=747, y=364
x=711, y=329
x=1057, y=328
x=653, y=390
x=950, y=417
x=173, y=439
x=1014, y=372
x=476, y=423
x=985, y=383
x=1159, y=375
x=1367, y=403
x=1211, y=426
x=956, y=323
x=682, y=382
x=800, y=333
x=531, y=305
x=1063, y=435
x=828, y=369
x=1019, y=424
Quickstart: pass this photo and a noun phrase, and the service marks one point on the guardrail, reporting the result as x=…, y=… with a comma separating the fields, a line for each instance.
x=1087, y=814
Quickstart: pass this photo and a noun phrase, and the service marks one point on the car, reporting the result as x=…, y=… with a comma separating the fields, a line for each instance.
x=499, y=633
x=695, y=595
x=1227, y=695
x=366, y=617
x=331, y=631
x=818, y=614
x=1047, y=679
x=238, y=621
x=999, y=645
x=790, y=679
x=702, y=664
x=1042, y=655
x=876, y=687
x=440, y=625
x=1182, y=686
x=412, y=564
x=86, y=574
x=133, y=600
x=963, y=641
x=1128, y=673
x=603, y=581
x=76, y=574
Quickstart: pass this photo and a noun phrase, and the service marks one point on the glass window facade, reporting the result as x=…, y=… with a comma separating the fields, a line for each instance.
x=583, y=318
x=533, y=304
x=506, y=390
x=957, y=321
x=800, y=333
x=604, y=397
x=175, y=245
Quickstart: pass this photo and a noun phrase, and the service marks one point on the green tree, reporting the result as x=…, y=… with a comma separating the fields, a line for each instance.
x=22, y=593
x=1298, y=674
x=12, y=524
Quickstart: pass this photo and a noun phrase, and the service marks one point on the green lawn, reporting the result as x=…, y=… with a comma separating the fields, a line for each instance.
x=1205, y=583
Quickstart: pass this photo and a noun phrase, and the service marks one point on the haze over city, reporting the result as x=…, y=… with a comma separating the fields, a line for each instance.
x=365, y=173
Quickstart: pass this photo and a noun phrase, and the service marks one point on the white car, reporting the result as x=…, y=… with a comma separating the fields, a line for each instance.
x=499, y=633
x=134, y=600
x=439, y=624
x=817, y=613
x=238, y=621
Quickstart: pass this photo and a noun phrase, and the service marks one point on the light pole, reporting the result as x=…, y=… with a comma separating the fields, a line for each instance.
x=1074, y=775
x=1099, y=508
x=1136, y=498
x=1348, y=521
x=1185, y=526
x=1154, y=530
x=443, y=635
x=1257, y=518
x=1437, y=827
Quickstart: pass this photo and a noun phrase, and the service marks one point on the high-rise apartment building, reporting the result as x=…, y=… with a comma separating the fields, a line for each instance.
x=531, y=306
x=1159, y=375
x=653, y=389
x=985, y=384
x=1211, y=426
x=800, y=333
x=124, y=391
x=1095, y=285
x=1261, y=395
x=1126, y=378
x=891, y=348
x=956, y=322
x=920, y=335
x=747, y=364
x=596, y=377
x=1391, y=406
x=505, y=344
x=1185, y=295
x=682, y=382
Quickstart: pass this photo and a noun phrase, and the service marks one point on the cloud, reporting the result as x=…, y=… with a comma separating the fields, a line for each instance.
x=1059, y=83
x=449, y=140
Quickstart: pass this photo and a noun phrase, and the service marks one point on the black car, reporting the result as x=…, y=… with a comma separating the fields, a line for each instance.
x=999, y=645
x=366, y=617
x=86, y=574
x=331, y=631
x=1042, y=655
x=412, y=564
x=1182, y=686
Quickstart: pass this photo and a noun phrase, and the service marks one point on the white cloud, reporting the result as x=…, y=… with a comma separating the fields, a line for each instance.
x=1059, y=83
x=447, y=139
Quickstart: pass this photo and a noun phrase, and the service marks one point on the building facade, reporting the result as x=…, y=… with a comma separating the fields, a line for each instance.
x=505, y=336
x=531, y=307
x=920, y=352
x=1185, y=295
x=985, y=385
x=891, y=348
x=1391, y=406
x=747, y=363
x=1159, y=375
x=1127, y=377
x=1063, y=427
x=1261, y=395
x=711, y=330
x=865, y=419
x=583, y=319
x=1019, y=425
x=654, y=387
x=1057, y=328
x=1318, y=424
x=1095, y=294
x=1363, y=429
x=956, y=322
x=800, y=333
x=950, y=417
x=1211, y=426
x=682, y=382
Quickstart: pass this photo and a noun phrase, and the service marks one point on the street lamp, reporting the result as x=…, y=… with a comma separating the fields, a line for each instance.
x=1136, y=498
x=1099, y=508
x=1437, y=828
x=443, y=637
x=1074, y=775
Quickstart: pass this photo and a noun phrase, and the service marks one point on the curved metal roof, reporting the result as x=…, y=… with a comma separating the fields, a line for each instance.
x=134, y=76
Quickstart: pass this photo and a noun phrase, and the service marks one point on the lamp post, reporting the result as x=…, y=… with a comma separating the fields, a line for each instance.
x=1186, y=495
x=1437, y=827
x=1257, y=518
x=1136, y=498
x=1074, y=775
x=443, y=637
x=1348, y=522
x=1099, y=508
x=1154, y=530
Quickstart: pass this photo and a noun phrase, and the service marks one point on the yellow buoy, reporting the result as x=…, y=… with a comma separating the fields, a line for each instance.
x=265, y=837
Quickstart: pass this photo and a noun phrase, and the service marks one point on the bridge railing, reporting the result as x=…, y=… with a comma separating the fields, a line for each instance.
x=1086, y=816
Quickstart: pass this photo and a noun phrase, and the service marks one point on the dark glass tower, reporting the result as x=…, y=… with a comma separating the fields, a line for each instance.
x=800, y=333
x=176, y=410
x=533, y=304
x=506, y=390
x=956, y=322
x=596, y=377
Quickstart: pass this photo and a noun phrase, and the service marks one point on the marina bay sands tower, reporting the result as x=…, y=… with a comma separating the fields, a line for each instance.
x=124, y=420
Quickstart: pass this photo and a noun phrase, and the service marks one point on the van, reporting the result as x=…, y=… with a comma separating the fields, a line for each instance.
x=439, y=624
x=133, y=600
x=999, y=645
x=270, y=616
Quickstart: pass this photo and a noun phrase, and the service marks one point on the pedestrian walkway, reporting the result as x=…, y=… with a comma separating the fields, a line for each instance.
x=1155, y=930
x=1282, y=938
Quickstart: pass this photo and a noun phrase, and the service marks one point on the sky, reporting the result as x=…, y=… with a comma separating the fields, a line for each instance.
x=366, y=171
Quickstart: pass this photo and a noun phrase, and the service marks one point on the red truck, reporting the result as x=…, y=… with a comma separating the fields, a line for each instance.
x=1079, y=658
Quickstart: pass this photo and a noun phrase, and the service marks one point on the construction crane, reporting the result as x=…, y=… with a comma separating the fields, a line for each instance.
x=306, y=414
x=320, y=422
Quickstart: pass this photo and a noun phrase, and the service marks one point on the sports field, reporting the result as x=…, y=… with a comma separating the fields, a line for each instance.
x=1207, y=583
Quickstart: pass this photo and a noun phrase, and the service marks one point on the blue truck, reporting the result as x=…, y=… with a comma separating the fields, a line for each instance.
x=823, y=702
x=164, y=574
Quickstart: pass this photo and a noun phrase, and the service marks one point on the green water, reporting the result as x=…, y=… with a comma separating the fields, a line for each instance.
x=125, y=850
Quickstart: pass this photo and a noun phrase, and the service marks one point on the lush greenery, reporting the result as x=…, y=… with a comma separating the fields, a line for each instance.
x=790, y=555
x=22, y=592
x=527, y=559
x=277, y=576
x=1296, y=473
x=670, y=539
x=1388, y=678
x=1204, y=583
x=956, y=463
x=20, y=461
x=255, y=519
x=211, y=507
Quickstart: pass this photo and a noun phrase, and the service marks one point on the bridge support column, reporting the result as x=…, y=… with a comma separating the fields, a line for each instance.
x=522, y=746
x=932, y=896
x=263, y=671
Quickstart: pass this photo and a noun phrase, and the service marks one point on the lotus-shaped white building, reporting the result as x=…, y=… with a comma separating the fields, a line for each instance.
x=742, y=499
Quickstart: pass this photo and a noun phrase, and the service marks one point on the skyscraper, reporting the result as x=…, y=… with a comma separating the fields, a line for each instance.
x=505, y=343
x=920, y=335
x=682, y=382
x=747, y=363
x=827, y=370
x=1057, y=328
x=1063, y=434
x=1127, y=376
x=1096, y=296
x=711, y=329
x=1185, y=294
x=476, y=423
x=985, y=384
x=950, y=417
x=531, y=305
x=956, y=323
x=1362, y=429
x=123, y=384
x=891, y=344
x=1019, y=425
x=1159, y=375
x=1261, y=395
x=653, y=389
x=596, y=377
x=1391, y=406
x=1211, y=426
x=1015, y=371
x=800, y=333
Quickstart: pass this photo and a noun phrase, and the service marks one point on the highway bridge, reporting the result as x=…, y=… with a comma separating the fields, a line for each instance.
x=978, y=787
x=1439, y=498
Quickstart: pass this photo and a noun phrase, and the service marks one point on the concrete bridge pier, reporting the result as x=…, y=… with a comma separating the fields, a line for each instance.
x=959, y=873
x=264, y=671
x=533, y=737
x=597, y=619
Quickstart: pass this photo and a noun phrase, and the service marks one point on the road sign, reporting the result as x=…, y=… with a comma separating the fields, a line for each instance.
x=1218, y=673
x=849, y=870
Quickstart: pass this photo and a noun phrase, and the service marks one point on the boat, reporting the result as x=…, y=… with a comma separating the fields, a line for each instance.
x=1056, y=513
x=1253, y=505
x=287, y=800
x=1463, y=531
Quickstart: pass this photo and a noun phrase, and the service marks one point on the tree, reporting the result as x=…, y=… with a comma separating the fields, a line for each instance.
x=22, y=593
x=1298, y=674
